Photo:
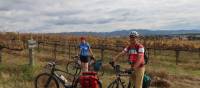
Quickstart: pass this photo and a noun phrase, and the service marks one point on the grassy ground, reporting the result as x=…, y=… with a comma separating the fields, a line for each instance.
x=15, y=73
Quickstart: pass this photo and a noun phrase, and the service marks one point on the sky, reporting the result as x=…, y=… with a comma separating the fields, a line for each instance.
x=98, y=15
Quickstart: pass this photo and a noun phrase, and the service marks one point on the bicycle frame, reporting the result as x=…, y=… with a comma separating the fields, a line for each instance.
x=60, y=79
x=120, y=73
x=53, y=73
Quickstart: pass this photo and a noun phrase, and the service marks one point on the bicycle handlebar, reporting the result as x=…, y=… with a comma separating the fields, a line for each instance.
x=52, y=67
x=77, y=56
x=51, y=64
x=112, y=64
x=118, y=71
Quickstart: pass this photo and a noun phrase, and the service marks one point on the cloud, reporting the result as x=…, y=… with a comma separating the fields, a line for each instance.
x=97, y=15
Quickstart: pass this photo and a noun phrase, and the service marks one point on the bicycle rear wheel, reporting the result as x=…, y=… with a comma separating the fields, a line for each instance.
x=73, y=68
x=46, y=80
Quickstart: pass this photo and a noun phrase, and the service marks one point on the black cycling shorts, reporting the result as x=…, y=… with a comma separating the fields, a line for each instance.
x=84, y=59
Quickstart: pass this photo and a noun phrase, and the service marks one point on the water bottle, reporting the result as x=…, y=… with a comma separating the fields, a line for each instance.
x=63, y=79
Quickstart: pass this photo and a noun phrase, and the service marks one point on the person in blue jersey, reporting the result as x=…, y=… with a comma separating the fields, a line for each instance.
x=85, y=53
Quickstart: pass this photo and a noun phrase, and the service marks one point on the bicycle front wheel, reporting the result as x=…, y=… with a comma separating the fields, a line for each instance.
x=73, y=68
x=46, y=80
x=115, y=84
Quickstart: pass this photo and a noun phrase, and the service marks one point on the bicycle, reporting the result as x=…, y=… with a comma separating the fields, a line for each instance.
x=52, y=79
x=74, y=67
x=55, y=80
x=118, y=83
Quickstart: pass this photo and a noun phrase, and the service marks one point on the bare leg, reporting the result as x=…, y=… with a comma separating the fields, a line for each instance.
x=84, y=67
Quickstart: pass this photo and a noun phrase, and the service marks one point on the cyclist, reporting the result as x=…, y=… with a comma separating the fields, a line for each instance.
x=135, y=51
x=84, y=53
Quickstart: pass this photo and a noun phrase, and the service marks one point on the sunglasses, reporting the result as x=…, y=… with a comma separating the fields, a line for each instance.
x=132, y=36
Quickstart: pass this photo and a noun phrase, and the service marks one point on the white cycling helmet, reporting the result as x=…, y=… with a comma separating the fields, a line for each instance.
x=133, y=34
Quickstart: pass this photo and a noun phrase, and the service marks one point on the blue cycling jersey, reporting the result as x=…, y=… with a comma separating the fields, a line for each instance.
x=84, y=49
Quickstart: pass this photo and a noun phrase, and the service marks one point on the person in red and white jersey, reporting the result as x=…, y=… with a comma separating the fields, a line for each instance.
x=135, y=52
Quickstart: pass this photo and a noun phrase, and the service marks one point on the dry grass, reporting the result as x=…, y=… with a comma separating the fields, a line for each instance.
x=14, y=72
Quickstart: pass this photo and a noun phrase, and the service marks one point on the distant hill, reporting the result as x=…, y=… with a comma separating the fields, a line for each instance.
x=143, y=32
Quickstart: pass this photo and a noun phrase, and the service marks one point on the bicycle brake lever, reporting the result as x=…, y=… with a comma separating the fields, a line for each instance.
x=112, y=63
x=129, y=71
x=51, y=64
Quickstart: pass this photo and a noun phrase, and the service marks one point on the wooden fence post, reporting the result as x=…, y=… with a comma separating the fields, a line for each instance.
x=69, y=50
x=38, y=46
x=75, y=47
x=18, y=36
x=177, y=56
x=199, y=52
x=31, y=46
x=154, y=50
x=102, y=52
x=24, y=44
x=65, y=49
x=1, y=48
x=55, y=50
x=148, y=52
x=43, y=44
x=31, y=57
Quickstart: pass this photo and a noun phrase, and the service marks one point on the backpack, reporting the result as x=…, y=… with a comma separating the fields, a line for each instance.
x=146, y=81
x=97, y=65
x=146, y=59
x=89, y=80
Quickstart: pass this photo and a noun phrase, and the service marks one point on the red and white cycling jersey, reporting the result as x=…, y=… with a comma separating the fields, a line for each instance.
x=133, y=51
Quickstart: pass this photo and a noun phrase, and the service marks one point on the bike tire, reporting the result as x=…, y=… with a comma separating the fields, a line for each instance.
x=47, y=80
x=73, y=68
x=115, y=84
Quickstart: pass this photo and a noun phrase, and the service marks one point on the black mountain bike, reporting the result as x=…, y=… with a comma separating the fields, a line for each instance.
x=56, y=80
x=118, y=82
x=74, y=67
x=53, y=79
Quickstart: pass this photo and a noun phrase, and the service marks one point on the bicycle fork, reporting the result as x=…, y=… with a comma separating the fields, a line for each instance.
x=119, y=81
x=47, y=83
